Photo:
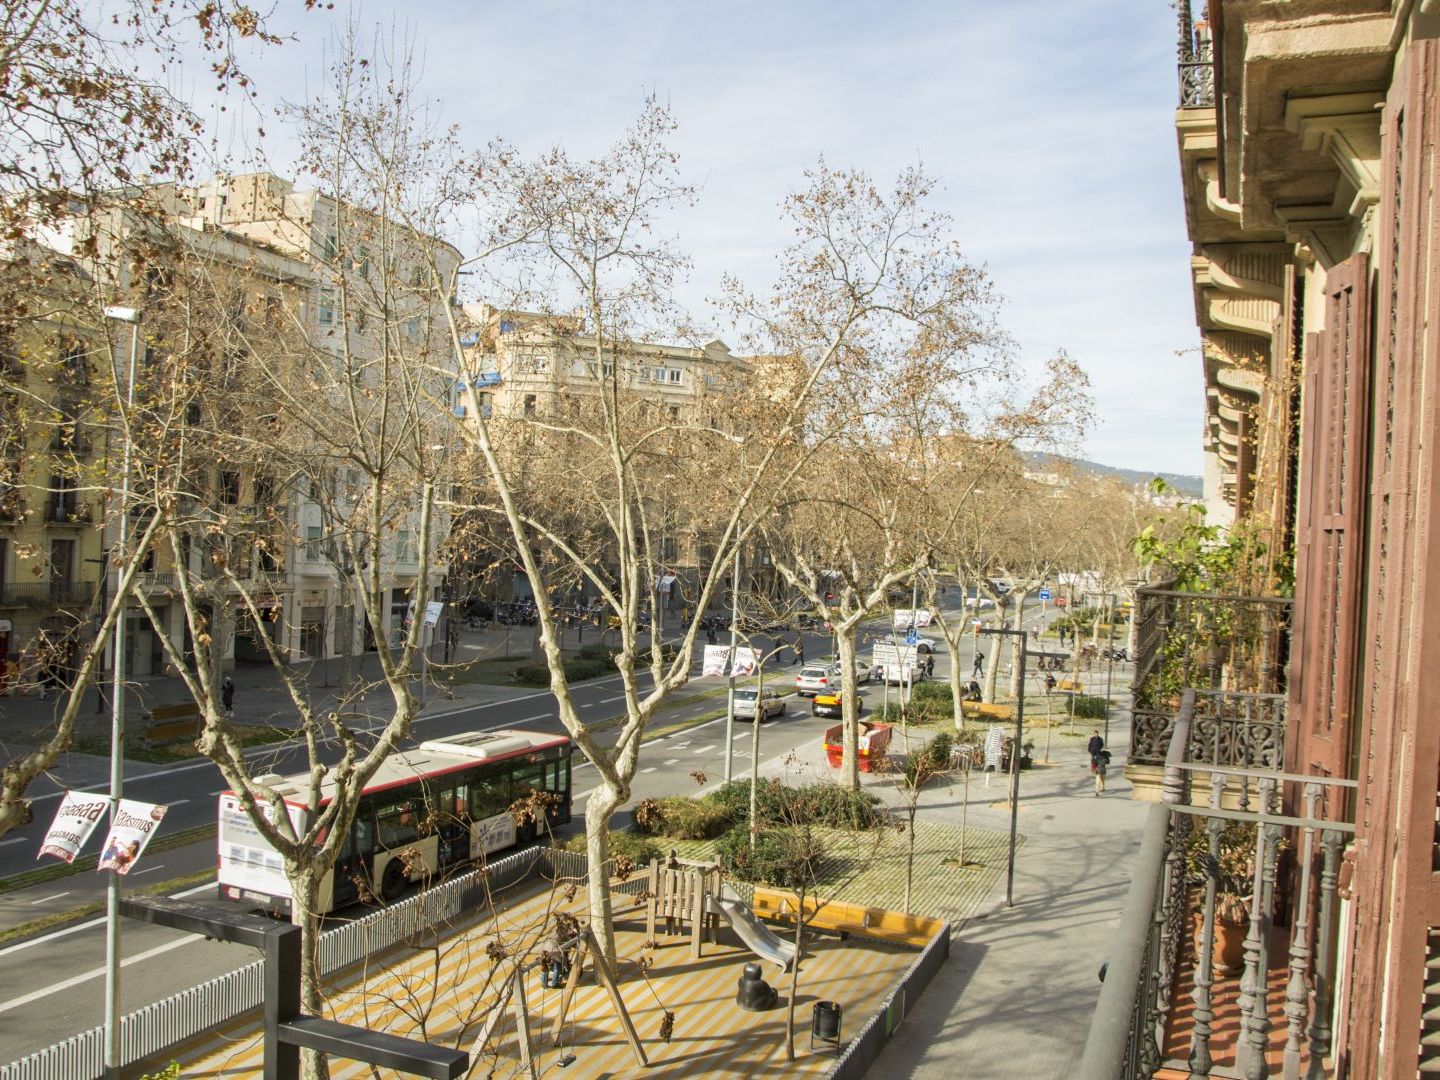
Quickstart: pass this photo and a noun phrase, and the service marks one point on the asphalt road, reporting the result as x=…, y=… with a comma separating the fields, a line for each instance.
x=53, y=983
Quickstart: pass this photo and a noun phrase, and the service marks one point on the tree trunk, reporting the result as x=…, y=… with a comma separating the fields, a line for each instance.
x=794, y=981
x=992, y=670
x=304, y=913
x=957, y=691
x=601, y=805
x=850, y=711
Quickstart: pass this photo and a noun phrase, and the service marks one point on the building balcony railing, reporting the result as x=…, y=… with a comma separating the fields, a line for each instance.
x=65, y=512
x=1236, y=647
x=12, y=507
x=1197, y=65
x=47, y=594
x=1175, y=996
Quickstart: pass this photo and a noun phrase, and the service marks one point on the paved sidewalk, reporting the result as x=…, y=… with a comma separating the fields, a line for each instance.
x=1016, y=997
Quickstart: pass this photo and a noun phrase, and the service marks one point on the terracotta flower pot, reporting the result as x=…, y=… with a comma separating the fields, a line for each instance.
x=1227, y=949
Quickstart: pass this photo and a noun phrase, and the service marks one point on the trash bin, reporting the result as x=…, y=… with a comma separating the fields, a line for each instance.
x=825, y=1024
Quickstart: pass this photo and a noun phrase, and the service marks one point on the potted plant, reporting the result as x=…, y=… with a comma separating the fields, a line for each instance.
x=1234, y=869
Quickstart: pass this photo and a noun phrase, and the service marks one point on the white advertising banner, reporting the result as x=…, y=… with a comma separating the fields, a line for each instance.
x=716, y=658
x=746, y=660
x=135, y=822
x=74, y=822
x=905, y=618
x=432, y=612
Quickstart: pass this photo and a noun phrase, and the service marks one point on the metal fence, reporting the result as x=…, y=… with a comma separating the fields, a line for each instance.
x=158, y=1027
x=860, y=1053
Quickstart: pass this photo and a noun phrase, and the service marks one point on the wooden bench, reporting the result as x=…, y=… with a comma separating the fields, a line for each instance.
x=1071, y=685
x=846, y=918
x=986, y=710
x=171, y=723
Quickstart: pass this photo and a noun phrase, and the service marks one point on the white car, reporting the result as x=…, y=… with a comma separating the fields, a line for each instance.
x=980, y=603
x=924, y=643
x=749, y=698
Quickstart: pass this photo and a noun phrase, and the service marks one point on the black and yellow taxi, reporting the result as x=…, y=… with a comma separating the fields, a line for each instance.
x=828, y=703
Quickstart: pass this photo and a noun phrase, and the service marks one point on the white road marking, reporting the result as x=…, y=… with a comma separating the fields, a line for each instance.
x=581, y=795
x=208, y=886
x=650, y=769
x=705, y=749
x=15, y=1003
x=16, y=840
x=149, y=870
x=673, y=761
x=537, y=716
x=47, y=899
x=178, y=802
x=608, y=700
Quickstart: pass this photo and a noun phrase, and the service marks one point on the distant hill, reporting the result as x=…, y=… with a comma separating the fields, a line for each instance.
x=1190, y=486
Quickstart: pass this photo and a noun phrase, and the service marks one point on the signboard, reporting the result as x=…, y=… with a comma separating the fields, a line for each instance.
x=1044, y=594
x=134, y=824
x=73, y=824
x=912, y=636
x=432, y=612
x=745, y=661
x=894, y=657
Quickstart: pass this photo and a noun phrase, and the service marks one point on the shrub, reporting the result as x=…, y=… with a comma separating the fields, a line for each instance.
x=1088, y=707
x=828, y=803
x=681, y=819
x=939, y=692
x=771, y=863
x=638, y=849
x=733, y=800
x=576, y=669
x=597, y=651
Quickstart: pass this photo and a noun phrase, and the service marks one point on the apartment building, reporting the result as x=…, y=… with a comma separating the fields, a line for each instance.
x=1308, y=153
x=299, y=285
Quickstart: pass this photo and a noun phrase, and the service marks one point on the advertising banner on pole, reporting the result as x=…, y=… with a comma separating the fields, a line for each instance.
x=74, y=822
x=135, y=822
x=745, y=661
x=906, y=618
x=716, y=657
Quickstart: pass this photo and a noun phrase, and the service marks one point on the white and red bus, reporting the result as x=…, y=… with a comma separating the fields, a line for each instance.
x=443, y=805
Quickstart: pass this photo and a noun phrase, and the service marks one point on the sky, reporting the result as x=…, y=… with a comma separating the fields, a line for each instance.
x=1049, y=124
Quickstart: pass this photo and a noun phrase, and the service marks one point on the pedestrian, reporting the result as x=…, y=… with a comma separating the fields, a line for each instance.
x=979, y=665
x=799, y=651
x=710, y=635
x=227, y=697
x=930, y=666
x=1099, y=760
x=1049, y=682
x=972, y=692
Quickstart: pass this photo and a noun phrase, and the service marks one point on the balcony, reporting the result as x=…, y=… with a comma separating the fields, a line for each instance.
x=1174, y=1004
x=12, y=506
x=1235, y=649
x=67, y=512
x=47, y=594
x=1197, y=65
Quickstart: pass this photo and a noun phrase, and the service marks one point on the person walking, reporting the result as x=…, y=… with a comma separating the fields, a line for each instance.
x=979, y=665
x=930, y=666
x=799, y=650
x=227, y=697
x=1099, y=760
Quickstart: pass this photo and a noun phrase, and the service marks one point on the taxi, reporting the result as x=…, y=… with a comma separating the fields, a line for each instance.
x=828, y=703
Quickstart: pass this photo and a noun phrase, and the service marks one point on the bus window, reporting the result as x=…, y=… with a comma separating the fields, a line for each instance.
x=488, y=797
x=397, y=825
x=364, y=832
x=460, y=806
x=526, y=777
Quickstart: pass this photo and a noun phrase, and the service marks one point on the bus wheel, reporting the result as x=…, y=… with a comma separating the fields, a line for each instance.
x=393, y=881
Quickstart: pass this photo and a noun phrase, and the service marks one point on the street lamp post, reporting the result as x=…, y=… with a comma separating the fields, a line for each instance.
x=1014, y=760
x=117, y=716
x=730, y=692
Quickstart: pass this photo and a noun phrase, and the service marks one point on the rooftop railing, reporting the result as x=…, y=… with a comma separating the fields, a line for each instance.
x=1197, y=67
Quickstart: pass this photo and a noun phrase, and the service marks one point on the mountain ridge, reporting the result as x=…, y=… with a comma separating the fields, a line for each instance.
x=1185, y=484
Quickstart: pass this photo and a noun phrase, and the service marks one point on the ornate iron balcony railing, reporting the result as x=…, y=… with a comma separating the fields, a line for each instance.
x=1196, y=865
x=1197, y=67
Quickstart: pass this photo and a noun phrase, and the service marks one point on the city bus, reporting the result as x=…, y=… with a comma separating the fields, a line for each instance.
x=425, y=812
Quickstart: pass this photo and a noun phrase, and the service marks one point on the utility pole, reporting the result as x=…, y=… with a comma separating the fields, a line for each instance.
x=113, y=1062
x=1015, y=752
x=730, y=692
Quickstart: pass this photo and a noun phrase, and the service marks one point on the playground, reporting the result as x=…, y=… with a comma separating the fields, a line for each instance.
x=522, y=986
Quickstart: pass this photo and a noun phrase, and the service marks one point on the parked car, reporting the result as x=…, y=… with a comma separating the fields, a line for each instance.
x=980, y=603
x=831, y=704
x=924, y=643
x=750, y=698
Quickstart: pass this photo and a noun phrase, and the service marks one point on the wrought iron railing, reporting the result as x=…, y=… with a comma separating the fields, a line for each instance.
x=1196, y=866
x=1230, y=645
x=1197, y=66
x=48, y=594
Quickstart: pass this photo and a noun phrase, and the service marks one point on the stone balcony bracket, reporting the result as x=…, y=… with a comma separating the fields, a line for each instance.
x=1347, y=128
x=1216, y=203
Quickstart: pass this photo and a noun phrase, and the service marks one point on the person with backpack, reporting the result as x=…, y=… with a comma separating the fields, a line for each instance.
x=1099, y=760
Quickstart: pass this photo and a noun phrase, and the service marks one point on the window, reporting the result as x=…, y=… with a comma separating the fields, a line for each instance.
x=533, y=361
x=325, y=309
x=398, y=824
x=529, y=404
x=230, y=487
x=312, y=541
x=673, y=375
x=507, y=326
x=412, y=328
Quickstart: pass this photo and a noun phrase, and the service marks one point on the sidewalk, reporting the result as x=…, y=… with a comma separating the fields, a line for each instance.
x=1016, y=996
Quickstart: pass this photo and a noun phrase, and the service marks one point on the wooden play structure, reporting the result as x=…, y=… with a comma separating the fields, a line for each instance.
x=874, y=742
x=679, y=892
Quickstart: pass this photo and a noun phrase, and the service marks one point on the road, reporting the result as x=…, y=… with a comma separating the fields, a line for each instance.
x=54, y=983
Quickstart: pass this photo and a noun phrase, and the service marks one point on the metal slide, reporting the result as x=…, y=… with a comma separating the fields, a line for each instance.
x=758, y=937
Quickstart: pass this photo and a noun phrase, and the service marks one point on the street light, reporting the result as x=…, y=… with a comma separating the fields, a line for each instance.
x=117, y=713
x=1014, y=760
